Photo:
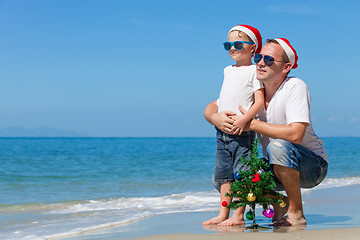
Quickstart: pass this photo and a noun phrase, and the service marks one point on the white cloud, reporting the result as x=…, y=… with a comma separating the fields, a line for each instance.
x=354, y=120
x=340, y=119
x=300, y=9
x=335, y=119
x=160, y=25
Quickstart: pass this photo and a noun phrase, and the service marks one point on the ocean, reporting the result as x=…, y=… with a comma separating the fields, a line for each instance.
x=58, y=187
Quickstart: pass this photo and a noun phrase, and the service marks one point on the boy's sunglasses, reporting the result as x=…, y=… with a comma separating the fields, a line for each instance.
x=268, y=60
x=238, y=45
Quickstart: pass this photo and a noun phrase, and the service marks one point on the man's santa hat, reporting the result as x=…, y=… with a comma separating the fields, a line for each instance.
x=289, y=50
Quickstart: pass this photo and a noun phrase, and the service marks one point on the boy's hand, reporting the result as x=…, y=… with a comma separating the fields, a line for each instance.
x=247, y=123
x=223, y=121
x=239, y=124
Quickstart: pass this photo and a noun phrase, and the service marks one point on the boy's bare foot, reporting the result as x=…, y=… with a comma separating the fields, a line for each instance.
x=216, y=220
x=233, y=221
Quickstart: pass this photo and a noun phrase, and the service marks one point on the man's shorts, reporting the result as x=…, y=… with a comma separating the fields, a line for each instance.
x=312, y=168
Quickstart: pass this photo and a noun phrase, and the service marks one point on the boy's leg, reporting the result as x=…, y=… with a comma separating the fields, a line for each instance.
x=241, y=148
x=236, y=219
x=223, y=176
x=224, y=211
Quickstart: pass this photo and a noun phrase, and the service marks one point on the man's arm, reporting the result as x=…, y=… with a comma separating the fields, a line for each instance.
x=293, y=132
x=221, y=120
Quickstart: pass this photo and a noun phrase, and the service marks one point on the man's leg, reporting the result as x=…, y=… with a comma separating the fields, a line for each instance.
x=290, y=179
x=285, y=161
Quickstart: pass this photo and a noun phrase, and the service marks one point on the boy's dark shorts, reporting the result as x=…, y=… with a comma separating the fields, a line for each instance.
x=229, y=148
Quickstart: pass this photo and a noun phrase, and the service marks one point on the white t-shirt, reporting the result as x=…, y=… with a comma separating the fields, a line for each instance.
x=291, y=103
x=238, y=88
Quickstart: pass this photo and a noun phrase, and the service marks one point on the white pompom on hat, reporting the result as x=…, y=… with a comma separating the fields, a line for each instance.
x=252, y=32
x=289, y=50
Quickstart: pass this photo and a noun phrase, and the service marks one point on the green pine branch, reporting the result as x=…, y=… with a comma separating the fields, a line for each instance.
x=262, y=189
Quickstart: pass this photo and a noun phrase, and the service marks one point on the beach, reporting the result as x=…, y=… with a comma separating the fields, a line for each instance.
x=331, y=213
x=331, y=234
x=149, y=188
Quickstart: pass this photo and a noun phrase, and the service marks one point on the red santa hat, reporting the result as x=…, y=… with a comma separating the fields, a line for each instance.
x=253, y=33
x=289, y=50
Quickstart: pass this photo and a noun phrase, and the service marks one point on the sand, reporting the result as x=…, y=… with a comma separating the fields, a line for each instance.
x=331, y=214
x=329, y=234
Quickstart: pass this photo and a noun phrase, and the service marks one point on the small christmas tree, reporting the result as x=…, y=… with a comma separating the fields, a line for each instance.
x=255, y=186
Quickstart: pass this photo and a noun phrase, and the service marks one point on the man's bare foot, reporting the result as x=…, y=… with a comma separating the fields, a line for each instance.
x=279, y=212
x=291, y=220
x=288, y=229
x=216, y=220
x=233, y=221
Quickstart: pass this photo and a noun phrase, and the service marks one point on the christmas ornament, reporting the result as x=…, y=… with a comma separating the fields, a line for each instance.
x=224, y=204
x=237, y=176
x=250, y=215
x=251, y=196
x=256, y=178
x=282, y=204
x=269, y=213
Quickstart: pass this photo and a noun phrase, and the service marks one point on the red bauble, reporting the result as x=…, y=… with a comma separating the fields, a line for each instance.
x=256, y=178
x=224, y=203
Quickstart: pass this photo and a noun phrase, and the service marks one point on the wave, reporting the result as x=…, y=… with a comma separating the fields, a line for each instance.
x=69, y=219
x=340, y=182
x=74, y=218
x=335, y=182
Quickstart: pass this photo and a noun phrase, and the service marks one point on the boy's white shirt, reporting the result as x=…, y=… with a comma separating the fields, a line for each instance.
x=238, y=88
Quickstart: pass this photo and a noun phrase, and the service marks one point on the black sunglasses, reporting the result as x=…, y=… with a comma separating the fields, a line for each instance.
x=238, y=45
x=268, y=60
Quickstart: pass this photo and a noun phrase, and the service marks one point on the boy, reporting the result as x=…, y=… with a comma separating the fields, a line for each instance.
x=240, y=88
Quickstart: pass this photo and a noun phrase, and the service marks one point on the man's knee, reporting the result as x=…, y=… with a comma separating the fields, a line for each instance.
x=281, y=152
x=277, y=148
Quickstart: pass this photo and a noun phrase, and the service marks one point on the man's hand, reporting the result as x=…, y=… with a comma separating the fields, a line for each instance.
x=223, y=121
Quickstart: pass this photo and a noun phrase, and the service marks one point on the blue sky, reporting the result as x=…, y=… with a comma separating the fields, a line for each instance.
x=149, y=68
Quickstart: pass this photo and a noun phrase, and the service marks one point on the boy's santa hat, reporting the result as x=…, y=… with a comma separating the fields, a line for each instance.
x=253, y=33
x=289, y=50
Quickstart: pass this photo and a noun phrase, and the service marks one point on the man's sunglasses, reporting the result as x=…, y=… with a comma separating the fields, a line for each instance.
x=268, y=60
x=238, y=45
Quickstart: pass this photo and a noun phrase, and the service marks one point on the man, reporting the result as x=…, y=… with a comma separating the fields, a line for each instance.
x=296, y=155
